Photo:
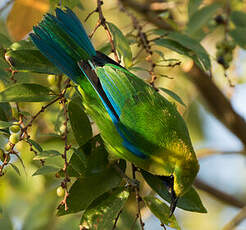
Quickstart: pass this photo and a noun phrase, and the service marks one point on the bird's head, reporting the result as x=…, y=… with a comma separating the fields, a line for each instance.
x=181, y=180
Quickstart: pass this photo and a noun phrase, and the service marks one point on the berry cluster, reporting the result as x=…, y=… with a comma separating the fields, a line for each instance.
x=13, y=139
x=224, y=52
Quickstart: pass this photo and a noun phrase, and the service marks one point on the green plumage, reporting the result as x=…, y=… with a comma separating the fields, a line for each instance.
x=156, y=127
x=136, y=122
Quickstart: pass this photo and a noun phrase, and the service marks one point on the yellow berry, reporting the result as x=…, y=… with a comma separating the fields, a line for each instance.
x=60, y=191
x=14, y=128
x=14, y=138
x=7, y=147
x=52, y=79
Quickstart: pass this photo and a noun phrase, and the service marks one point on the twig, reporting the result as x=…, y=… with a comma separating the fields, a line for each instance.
x=133, y=183
x=236, y=220
x=203, y=153
x=24, y=134
x=64, y=156
x=102, y=22
x=138, y=198
x=116, y=220
x=144, y=43
x=218, y=194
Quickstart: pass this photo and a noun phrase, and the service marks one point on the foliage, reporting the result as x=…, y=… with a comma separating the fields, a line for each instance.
x=60, y=145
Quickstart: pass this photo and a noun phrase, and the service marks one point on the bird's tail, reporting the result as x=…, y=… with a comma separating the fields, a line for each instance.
x=63, y=40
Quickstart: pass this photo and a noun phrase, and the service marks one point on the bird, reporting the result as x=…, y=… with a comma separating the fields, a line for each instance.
x=136, y=122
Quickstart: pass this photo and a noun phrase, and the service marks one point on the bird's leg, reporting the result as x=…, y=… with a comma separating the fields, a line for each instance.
x=133, y=182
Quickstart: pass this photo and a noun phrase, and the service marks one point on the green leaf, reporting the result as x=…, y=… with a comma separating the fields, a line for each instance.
x=15, y=169
x=80, y=123
x=192, y=45
x=238, y=18
x=121, y=44
x=46, y=154
x=200, y=18
x=101, y=214
x=175, y=46
x=190, y=201
x=161, y=211
x=173, y=95
x=96, y=155
x=5, y=111
x=87, y=189
x=238, y=36
x=30, y=60
x=193, y=6
x=35, y=145
x=26, y=92
x=5, y=124
x=23, y=45
x=77, y=164
x=46, y=170
x=4, y=41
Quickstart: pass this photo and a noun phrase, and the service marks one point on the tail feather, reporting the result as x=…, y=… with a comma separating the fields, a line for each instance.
x=63, y=40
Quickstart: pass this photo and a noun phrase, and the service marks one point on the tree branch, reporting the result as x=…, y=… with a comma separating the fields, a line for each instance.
x=218, y=194
x=236, y=220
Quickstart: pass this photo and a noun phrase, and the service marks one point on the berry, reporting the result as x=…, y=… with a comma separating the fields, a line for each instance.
x=60, y=191
x=14, y=128
x=14, y=138
x=7, y=147
x=52, y=79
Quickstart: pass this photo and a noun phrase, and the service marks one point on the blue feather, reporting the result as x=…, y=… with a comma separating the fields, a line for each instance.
x=57, y=38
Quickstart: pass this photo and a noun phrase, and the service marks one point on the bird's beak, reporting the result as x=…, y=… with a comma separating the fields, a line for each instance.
x=173, y=204
x=169, y=182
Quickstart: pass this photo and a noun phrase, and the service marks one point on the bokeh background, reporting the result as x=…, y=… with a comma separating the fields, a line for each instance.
x=29, y=202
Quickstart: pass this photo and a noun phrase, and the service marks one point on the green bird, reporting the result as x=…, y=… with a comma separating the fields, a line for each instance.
x=136, y=123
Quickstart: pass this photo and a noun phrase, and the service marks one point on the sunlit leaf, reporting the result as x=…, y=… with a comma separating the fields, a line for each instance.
x=161, y=211
x=22, y=45
x=121, y=43
x=24, y=15
x=46, y=170
x=79, y=121
x=26, y=92
x=101, y=214
x=30, y=60
x=173, y=95
x=46, y=154
x=5, y=124
x=190, y=201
